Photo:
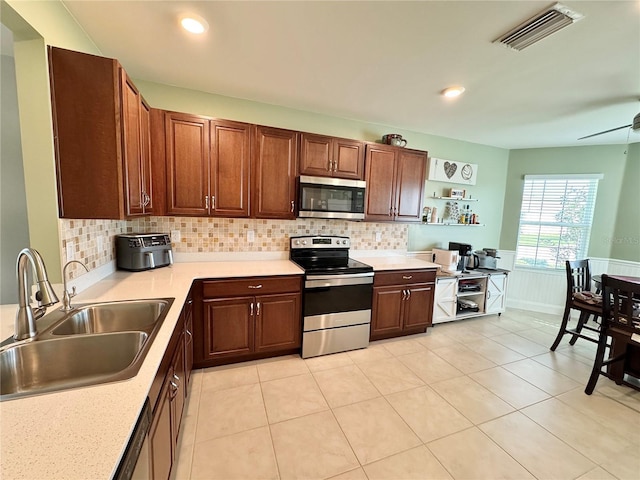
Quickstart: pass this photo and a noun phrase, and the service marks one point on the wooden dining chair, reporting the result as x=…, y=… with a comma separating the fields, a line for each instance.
x=578, y=298
x=621, y=322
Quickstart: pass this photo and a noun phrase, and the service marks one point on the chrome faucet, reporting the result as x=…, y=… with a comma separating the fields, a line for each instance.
x=66, y=298
x=26, y=316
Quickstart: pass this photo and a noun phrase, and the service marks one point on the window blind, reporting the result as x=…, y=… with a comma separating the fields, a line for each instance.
x=555, y=219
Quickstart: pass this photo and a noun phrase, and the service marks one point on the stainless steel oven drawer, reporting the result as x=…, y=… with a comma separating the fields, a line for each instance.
x=340, y=319
x=333, y=340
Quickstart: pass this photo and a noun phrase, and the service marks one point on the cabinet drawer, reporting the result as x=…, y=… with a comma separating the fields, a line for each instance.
x=251, y=286
x=404, y=277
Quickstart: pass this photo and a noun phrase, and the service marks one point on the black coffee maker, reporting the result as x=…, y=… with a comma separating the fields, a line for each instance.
x=465, y=251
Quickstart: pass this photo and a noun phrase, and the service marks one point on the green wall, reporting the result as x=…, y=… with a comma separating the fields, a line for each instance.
x=610, y=160
x=625, y=241
x=491, y=161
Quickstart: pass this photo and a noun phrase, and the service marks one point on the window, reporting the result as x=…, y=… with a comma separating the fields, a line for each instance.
x=555, y=219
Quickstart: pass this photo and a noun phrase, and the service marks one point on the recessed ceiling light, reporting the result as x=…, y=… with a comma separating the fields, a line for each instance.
x=453, y=91
x=194, y=24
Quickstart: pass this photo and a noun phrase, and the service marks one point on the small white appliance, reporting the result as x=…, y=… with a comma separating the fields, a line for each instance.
x=448, y=259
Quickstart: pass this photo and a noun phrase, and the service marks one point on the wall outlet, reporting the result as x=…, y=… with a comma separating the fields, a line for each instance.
x=251, y=236
x=71, y=250
x=100, y=244
x=175, y=236
x=378, y=237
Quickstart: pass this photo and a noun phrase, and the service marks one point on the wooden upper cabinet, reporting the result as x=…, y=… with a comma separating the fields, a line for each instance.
x=395, y=183
x=136, y=149
x=331, y=157
x=187, y=157
x=230, y=166
x=275, y=160
x=99, y=133
x=410, y=184
x=380, y=192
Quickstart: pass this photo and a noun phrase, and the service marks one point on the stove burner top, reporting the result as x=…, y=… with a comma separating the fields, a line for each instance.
x=325, y=255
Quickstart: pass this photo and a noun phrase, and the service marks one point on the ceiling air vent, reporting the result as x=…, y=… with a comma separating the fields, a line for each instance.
x=540, y=26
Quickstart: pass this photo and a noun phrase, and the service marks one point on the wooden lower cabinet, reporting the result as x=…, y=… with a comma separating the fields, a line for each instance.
x=402, y=303
x=169, y=400
x=235, y=324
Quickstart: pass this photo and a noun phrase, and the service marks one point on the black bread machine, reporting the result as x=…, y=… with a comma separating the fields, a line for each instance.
x=143, y=251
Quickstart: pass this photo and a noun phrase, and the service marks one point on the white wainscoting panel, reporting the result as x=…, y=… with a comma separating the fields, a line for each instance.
x=545, y=291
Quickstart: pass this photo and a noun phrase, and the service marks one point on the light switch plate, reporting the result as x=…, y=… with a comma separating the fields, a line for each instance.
x=378, y=237
x=251, y=236
x=175, y=236
x=70, y=250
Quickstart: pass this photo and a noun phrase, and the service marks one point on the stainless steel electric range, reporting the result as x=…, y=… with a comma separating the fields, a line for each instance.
x=337, y=295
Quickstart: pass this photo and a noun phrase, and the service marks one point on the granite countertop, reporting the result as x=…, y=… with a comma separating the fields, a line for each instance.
x=43, y=435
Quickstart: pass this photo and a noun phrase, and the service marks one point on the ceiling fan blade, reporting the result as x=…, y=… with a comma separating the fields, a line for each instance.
x=605, y=131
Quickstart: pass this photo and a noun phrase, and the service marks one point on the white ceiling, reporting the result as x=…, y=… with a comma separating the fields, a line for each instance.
x=386, y=62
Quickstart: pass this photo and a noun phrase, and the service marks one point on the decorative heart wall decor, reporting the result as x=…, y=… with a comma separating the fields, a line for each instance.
x=450, y=169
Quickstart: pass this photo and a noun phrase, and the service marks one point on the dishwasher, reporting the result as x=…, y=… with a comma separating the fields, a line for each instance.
x=136, y=461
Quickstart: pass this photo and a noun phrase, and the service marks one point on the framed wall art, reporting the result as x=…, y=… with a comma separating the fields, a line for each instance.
x=441, y=170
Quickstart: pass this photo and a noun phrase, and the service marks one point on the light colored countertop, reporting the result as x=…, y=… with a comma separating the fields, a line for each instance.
x=82, y=433
x=395, y=262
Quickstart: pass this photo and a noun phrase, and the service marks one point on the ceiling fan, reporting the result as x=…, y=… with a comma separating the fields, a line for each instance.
x=635, y=126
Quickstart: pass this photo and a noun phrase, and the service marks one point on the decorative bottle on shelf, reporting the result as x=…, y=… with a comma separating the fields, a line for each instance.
x=434, y=217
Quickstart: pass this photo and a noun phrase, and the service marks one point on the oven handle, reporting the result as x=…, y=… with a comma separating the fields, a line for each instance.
x=323, y=281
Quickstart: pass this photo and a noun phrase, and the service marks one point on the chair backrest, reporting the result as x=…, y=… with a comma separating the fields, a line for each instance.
x=578, y=277
x=621, y=303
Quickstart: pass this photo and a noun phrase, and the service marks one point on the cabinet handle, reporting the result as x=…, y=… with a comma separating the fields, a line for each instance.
x=407, y=277
x=390, y=211
x=293, y=205
x=488, y=294
x=256, y=286
x=213, y=202
x=176, y=378
x=251, y=310
x=174, y=391
x=145, y=199
x=329, y=165
x=335, y=165
x=408, y=294
x=188, y=333
x=404, y=294
x=206, y=202
x=258, y=309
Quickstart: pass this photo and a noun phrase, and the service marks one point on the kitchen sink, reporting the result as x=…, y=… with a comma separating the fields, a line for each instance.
x=92, y=344
x=112, y=317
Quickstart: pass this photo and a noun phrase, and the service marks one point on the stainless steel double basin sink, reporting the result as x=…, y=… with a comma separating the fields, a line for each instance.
x=92, y=344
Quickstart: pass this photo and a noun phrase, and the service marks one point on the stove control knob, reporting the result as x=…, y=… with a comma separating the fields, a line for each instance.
x=297, y=242
x=304, y=242
x=344, y=242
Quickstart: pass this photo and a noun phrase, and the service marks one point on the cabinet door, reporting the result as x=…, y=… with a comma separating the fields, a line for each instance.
x=445, y=300
x=348, y=159
x=187, y=154
x=410, y=186
x=188, y=341
x=386, y=312
x=418, y=308
x=145, y=157
x=132, y=152
x=496, y=293
x=275, y=160
x=177, y=384
x=161, y=437
x=229, y=327
x=230, y=164
x=316, y=155
x=278, y=322
x=380, y=195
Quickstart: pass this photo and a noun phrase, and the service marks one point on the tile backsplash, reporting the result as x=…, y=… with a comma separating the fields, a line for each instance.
x=93, y=241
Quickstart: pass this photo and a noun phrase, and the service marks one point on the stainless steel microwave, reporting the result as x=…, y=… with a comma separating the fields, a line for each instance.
x=325, y=197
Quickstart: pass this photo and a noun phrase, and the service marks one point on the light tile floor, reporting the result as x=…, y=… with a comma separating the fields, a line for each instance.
x=479, y=398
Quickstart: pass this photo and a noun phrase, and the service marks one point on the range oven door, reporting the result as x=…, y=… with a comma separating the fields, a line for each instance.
x=337, y=313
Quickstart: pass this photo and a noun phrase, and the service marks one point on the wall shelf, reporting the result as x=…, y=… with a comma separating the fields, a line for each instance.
x=456, y=199
x=454, y=224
